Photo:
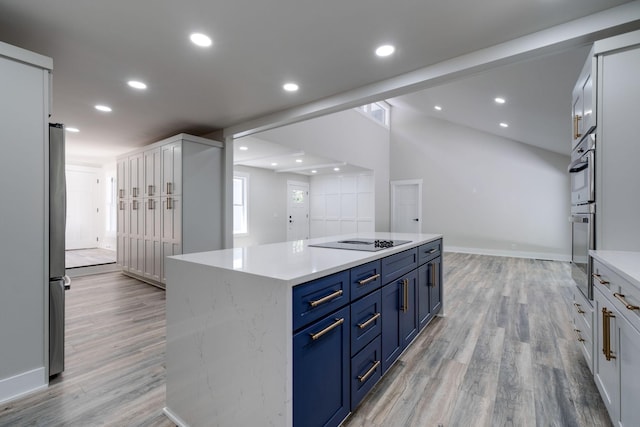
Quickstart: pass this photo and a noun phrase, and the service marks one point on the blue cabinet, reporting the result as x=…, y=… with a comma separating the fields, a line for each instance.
x=366, y=322
x=321, y=372
x=429, y=290
x=315, y=299
x=399, y=317
x=366, y=370
x=351, y=326
x=365, y=279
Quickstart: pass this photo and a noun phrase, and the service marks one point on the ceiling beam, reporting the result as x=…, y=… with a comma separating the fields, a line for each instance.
x=556, y=39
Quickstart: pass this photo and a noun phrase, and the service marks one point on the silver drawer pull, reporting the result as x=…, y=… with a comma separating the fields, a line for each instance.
x=433, y=251
x=334, y=325
x=580, y=339
x=370, y=372
x=599, y=279
x=620, y=298
x=368, y=279
x=369, y=321
x=150, y=190
x=325, y=299
x=581, y=311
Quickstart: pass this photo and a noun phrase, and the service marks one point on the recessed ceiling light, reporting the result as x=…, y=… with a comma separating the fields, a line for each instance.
x=500, y=100
x=336, y=169
x=274, y=164
x=201, y=40
x=290, y=87
x=314, y=171
x=298, y=160
x=137, y=84
x=504, y=125
x=70, y=129
x=103, y=108
x=438, y=108
x=243, y=148
x=385, y=50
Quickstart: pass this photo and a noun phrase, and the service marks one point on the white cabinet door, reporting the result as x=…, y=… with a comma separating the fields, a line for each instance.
x=171, y=169
x=152, y=173
x=629, y=358
x=136, y=169
x=171, y=219
x=123, y=178
x=606, y=371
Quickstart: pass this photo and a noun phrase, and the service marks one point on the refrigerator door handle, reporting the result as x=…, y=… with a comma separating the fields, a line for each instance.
x=67, y=282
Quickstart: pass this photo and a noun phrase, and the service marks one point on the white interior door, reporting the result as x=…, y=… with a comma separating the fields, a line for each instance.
x=406, y=206
x=82, y=208
x=297, y=210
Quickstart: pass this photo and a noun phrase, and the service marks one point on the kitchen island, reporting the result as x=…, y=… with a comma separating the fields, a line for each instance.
x=238, y=321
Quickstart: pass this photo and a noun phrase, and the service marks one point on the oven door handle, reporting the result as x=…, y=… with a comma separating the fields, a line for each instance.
x=578, y=165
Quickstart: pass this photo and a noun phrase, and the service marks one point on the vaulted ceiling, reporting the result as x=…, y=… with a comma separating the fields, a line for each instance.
x=325, y=47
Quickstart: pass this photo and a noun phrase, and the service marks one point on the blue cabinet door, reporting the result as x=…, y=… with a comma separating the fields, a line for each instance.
x=321, y=372
x=435, y=290
x=390, y=335
x=424, y=290
x=399, y=317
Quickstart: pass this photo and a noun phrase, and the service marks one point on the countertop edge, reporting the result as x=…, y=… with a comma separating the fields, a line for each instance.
x=624, y=263
x=207, y=259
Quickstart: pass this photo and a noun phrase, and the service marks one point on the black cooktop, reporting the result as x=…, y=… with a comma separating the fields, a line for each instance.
x=357, y=244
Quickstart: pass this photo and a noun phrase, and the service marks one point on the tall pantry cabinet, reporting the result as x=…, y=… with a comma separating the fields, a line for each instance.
x=169, y=203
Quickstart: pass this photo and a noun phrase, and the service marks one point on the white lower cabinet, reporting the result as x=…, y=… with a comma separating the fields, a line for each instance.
x=181, y=215
x=617, y=346
x=582, y=319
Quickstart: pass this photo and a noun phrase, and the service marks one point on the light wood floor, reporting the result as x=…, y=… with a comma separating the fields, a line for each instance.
x=75, y=258
x=504, y=355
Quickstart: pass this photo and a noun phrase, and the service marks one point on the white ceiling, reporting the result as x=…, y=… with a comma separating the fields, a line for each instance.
x=326, y=47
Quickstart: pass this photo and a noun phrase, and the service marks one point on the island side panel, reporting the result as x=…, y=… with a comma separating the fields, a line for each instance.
x=229, y=356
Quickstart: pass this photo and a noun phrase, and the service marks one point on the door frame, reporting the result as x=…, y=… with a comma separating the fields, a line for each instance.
x=308, y=187
x=398, y=183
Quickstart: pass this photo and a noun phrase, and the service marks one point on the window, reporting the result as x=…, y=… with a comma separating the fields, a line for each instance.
x=240, y=217
x=378, y=111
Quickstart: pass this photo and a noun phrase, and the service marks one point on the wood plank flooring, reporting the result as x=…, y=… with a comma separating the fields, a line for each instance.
x=88, y=257
x=504, y=355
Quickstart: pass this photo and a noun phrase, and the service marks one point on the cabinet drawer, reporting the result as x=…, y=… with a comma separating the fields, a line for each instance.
x=429, y=251
x=582, y=317
x=399, y=264
x=623, y=294
x=604, y=278
x=313, y=300
x=321, y=365
x=366, y=370
x=365, y=279
x=366, y=322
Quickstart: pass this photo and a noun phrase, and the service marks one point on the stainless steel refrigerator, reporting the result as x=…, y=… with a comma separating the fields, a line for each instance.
x=59, y=282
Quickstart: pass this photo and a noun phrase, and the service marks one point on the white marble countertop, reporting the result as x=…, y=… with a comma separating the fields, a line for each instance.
x=295, y=262
x=626, y=264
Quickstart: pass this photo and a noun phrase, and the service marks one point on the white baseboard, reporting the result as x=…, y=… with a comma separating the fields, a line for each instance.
x=514, y=254
x=174, y=418
x=20, y=385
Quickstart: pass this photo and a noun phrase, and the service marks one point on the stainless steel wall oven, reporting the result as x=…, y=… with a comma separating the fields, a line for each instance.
x=582, y=177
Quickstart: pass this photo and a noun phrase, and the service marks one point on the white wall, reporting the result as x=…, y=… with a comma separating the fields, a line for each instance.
x=342, y=204
x=96, y=207
x=484, y=193
x=267, y=206
x=350, y=137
